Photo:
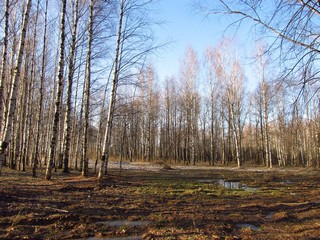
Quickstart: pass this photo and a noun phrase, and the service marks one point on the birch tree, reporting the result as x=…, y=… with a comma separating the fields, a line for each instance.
x=265, y=104
x=6, y=133
x=41, y=93
x=234, y=98
x=230, y=75
x=134, y=41
x=190, y=96
x=67, y=124
x=59, y=87
x=170, y=142
x=214, y=96
x=107, y=136
x=87, y=94
x=150, y=110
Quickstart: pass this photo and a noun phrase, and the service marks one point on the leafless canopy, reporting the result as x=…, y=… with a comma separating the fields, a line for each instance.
x=291, y=27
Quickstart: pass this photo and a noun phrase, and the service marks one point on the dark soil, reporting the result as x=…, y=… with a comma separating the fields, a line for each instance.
x=164, y=204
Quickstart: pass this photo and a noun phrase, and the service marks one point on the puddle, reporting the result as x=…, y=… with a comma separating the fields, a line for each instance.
x=120, y=223
x=206, y=181
x=270, y=215
x=286, y=182
x=250, y=189
x=248, y=225
x=119, y=238
x=223, y=183
x=229, y=184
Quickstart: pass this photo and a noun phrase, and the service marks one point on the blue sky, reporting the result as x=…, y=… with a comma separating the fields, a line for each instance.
x=185, y=27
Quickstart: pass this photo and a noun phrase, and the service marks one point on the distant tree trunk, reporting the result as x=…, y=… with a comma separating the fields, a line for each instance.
x=170, y=128
x=15, y=144
x=60, y=82
x=212, y=135
x=266, y=125
x=150, y=110
x=42, y=78
x=30, y=125
x=122, y=141
x=107, y=137
x=87, y=96
x=31, y=108
x=80, y=131
x=213, y=109
x=67, y=124
x=77, y=124
x=264, y=103
x=5, y=138
x=50, y=107
x=223, y=136
x=25, y=107
x=12, y=161
x=189, y=78
x=193, y=122
x=101, y=117
x=204, y=139
x=235, y=132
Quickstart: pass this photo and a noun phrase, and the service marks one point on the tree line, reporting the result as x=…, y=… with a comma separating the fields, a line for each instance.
x=209, y=114
x=76, y=87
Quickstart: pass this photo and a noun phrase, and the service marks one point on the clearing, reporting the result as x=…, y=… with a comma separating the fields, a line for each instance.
x=158, y=202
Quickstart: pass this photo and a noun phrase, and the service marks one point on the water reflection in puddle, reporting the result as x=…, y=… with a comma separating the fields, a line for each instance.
x=119, y=223
x=248, y=225
x=270, y=215
x=229, y=184
x=206, y=181
x=120, y=238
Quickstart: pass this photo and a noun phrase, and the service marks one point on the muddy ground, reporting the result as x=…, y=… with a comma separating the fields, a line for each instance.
x=163, y=203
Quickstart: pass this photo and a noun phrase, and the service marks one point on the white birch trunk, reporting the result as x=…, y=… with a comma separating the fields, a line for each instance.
x=4, y=60
x=235, y=135
x=85, y=167
x=67, y=123
x=266, y=125
x=60, y=82
x=107, y=137
x=39, y=120
x=100, y=123
x=5, y=136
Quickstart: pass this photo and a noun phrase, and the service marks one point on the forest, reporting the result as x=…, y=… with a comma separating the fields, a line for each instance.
x=206, y=154
x=77, y=87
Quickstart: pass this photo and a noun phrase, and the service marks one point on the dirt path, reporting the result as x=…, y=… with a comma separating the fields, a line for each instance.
x=163, y=204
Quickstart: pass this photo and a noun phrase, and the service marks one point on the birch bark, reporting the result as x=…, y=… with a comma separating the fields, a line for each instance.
x=6, y=133
x=87, y=97
x=4, y=59
x=107, y=136
x=60, y=83
x=39, y=119
x=67, y=124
